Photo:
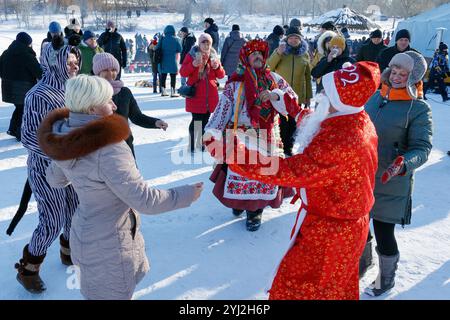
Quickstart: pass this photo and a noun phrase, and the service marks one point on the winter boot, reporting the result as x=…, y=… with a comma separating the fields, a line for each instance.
x=173, y=93
x=253, y=222
x=28, y=272
x=65, y=251
x=164, y=92
x=237, y=212
x=386, y=276
x=155, y=90
x=366, y=260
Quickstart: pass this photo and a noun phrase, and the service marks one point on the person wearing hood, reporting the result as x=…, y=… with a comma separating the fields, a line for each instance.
x=327, y=31
x=19, y=71
x=73, y=32
x=88, y=48
x=439, y=70
x=202, y=69
x=402, y=44
x=404, y=125
x=171, y=52
x=213, y=30
x=112, y=42
x=86, y=143
x=107, y=67
x=59, y=63
x=337, y=55
x=371, y=50
x=274, y=38
x=291, y=61
x=54, y=29
x=188, y=41
x=230, y=50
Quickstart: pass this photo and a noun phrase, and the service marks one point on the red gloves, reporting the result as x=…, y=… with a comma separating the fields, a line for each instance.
x=395, y=169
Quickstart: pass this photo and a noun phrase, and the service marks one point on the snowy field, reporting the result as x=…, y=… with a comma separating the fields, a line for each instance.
x=203, y=252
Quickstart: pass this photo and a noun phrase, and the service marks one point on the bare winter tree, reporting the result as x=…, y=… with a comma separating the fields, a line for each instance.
x=189, y=6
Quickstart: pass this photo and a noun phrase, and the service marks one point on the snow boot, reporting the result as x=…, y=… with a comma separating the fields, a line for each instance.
x=366, y=260
x=173, y=93
x=386, y=276
x=65, y=251
x=164, y=92
x=237, y=212
x=28, y=272
x=253, y=222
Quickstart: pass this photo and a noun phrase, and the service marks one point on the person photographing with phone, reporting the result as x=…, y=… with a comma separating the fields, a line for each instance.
x=338, y=55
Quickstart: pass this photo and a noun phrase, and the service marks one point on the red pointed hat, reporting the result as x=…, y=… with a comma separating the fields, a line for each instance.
x=350, y=88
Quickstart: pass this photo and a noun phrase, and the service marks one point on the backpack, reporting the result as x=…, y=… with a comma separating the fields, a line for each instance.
x=158, y=53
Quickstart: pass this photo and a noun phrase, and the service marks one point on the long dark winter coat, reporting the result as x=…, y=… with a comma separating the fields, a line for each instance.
x=105, y=238
x=404, y=128
x=19, y=71
x=230, y=51
x=112, y=42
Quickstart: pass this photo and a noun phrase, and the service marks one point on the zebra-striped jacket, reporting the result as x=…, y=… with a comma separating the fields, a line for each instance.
x=47, y=94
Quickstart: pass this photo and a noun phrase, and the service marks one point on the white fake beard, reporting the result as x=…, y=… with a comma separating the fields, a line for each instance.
x=310, y=125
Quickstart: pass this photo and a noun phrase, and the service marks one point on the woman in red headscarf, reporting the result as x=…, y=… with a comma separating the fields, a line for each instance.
x=249, y=106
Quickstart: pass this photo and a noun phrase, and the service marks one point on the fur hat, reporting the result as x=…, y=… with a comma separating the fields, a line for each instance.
x=338, y=41
x=419, y=68
x=84, y=92
x=323, y=39
x=403, y=61
x=74, y=23
x=103, y=61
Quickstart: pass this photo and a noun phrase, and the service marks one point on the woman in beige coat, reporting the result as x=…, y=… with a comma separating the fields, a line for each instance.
x=86, y=142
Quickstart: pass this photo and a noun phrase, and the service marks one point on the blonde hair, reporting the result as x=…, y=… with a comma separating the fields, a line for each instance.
x=85, y=92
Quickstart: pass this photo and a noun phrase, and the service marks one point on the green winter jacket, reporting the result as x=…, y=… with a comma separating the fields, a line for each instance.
x=87, y=55
x=295, y=69
x=405, y=129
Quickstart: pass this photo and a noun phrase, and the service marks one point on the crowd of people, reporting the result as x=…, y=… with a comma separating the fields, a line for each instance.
x=342, y=159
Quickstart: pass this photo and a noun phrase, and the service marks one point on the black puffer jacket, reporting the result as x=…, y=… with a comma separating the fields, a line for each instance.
x=324, y=67
x=386, y=56
x=19, y=71
x=112, y=42
x=129, y=109
x=213, y=31
x=274, y=42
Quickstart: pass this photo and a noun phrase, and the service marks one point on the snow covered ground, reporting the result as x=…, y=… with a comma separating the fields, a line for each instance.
x=203, y=252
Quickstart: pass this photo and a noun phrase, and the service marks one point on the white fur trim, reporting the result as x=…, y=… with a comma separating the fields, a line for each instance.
x=333, y=95
x=322, y=38
x=279, y=105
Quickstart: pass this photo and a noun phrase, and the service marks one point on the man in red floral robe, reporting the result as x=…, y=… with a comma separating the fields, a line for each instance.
x=334, y=172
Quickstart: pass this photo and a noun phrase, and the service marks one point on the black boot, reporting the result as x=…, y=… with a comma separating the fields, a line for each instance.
x=366, y=260
x=237, y=212
x=28, y=272
x=65, y=251
x=386, y=276
x=253, y=222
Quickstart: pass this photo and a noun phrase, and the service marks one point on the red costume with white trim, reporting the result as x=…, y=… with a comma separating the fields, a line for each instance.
x=337, y=169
